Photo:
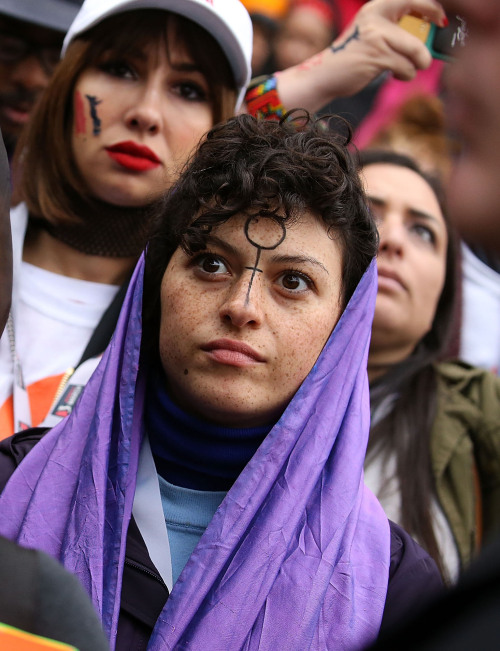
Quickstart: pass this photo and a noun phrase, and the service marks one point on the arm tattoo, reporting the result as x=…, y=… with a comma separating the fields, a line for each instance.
x=353, y=37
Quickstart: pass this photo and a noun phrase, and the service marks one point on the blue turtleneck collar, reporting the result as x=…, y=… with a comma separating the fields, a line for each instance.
x=193, y=453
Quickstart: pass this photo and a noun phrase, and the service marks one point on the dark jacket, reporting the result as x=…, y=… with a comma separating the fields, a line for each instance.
x=413, y=575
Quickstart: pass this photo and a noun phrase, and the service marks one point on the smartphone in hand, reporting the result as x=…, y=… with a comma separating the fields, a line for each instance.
x=443, y=42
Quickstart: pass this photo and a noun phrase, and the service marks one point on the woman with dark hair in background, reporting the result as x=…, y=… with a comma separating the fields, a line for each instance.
x=108, y=137
x=434, y=452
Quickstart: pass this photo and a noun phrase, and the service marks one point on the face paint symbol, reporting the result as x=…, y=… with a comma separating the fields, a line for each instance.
x=93, y=101
x=274, y=241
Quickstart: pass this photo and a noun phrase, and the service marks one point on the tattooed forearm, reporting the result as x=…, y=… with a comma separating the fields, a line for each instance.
x=353, y=37
x=312, y=62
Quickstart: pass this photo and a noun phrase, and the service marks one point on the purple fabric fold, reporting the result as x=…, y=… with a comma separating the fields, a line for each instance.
x=296, y=556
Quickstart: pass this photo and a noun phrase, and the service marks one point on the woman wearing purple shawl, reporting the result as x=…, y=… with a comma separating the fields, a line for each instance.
x=208, y=487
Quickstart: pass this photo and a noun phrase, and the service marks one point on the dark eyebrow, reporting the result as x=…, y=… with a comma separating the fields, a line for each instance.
x=275, y=259
x=298, y=259
x=424, y=215
x=419, y=214
x=217, y=241
x=186, y=66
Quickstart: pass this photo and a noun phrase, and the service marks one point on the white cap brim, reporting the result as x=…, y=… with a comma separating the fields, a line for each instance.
x=226, y=20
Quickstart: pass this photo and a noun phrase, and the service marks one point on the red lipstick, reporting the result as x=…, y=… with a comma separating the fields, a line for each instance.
x=132, y=156
x=232, y=353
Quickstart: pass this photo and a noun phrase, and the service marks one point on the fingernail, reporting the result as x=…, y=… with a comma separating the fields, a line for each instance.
x=446, y=22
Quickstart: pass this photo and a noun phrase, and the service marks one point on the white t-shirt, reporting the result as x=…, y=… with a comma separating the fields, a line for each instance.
x=55, y=317
x=381, y=479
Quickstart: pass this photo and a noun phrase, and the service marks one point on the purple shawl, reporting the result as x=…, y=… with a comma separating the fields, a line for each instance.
x=296, y=556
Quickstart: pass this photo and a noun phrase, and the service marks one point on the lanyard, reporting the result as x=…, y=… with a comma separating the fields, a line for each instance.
x=21, y=403
x=148, y=514
x=74, y=379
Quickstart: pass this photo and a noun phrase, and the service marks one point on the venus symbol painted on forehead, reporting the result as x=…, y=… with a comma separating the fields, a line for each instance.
x=267, y=241
x=93, y=101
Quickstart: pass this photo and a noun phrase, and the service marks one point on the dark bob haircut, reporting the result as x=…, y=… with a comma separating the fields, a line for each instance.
x=50, y=181
x=277, y=170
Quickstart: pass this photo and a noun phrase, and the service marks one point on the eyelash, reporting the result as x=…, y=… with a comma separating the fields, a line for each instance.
x=377, y=215
x=197, y=260
x=300, y=274
x=428, y=231
x=115, y=68
x=201, y=95
x=189, y=90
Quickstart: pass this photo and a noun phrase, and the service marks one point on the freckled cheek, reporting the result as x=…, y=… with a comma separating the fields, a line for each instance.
x=181, y=313
x=302, y=351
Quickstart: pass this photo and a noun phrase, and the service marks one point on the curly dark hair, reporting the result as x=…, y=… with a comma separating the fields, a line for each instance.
x=271, y=169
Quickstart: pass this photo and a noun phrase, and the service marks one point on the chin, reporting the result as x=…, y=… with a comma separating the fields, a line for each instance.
x=233, y=411
x=128, y=196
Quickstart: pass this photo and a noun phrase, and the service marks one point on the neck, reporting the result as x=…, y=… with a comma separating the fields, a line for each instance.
x=381, y=360
x=193, y=453
x=47, y=252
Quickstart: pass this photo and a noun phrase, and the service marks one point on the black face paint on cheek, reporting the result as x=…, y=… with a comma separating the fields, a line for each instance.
x=261, y=247
x=93, y=101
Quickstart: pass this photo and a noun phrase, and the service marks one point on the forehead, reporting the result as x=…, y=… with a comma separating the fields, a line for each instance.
x=156, y=27
x=305, y=235
x=400, y=183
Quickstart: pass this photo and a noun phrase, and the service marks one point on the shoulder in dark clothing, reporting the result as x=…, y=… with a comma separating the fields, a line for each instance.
x=465, y=617
x=414, y=578
x=13, y=450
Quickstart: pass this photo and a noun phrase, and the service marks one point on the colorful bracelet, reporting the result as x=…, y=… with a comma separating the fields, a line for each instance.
x=262, y=99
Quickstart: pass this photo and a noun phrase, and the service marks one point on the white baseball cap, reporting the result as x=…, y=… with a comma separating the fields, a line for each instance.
x=226, y=20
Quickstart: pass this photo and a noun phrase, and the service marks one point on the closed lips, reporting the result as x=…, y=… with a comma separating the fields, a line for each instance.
x=133, y=149
x=392, y=275
x=133, y=156
x=233, y=346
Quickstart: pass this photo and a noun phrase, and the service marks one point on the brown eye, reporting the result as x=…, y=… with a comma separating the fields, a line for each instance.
x=211, y=264
x=294, y=282
x=191, y=91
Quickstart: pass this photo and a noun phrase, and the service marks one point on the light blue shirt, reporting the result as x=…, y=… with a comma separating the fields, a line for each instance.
x=187, y=514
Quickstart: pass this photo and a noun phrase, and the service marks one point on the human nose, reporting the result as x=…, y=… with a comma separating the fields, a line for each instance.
x=392, y=236
x=30, y=74
x=243, y=304
x=145, y=113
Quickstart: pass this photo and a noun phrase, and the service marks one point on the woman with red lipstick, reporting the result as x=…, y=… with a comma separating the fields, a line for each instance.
x=210, y=479
x=139, y=85
x=108, y=138
x=434, y=450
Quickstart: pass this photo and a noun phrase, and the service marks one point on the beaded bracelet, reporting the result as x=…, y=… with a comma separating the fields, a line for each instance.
x=262, y=99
